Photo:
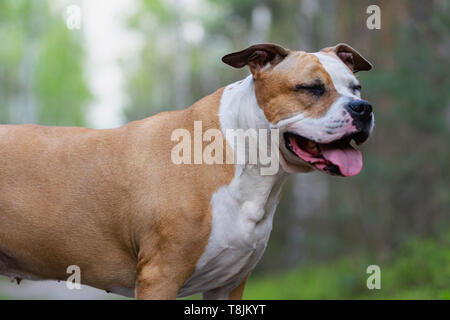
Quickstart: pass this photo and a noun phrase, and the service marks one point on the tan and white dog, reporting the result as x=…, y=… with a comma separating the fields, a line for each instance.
x=113, y=202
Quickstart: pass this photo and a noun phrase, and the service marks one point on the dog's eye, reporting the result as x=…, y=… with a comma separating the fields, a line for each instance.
x=317, y=89
x=356, y=88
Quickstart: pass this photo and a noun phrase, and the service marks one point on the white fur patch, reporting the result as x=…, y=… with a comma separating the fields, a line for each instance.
x=242, y=211
x=343, y=79
x=330, y=127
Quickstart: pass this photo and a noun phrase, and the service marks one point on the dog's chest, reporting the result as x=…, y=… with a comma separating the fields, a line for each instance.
x=241, y=226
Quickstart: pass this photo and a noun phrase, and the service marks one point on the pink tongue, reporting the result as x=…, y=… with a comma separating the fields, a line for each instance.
x=348, y=159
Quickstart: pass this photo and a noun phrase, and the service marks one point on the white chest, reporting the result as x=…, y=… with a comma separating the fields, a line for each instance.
x=241, y=226
x=243, y=210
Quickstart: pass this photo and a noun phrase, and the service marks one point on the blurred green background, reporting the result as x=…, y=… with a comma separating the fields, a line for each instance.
x=133, y=59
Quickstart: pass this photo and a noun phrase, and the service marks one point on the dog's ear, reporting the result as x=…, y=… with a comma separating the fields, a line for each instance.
x=256, y=56
x=352, y=58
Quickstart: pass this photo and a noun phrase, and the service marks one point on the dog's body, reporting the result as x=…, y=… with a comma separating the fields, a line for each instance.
x=113, y=202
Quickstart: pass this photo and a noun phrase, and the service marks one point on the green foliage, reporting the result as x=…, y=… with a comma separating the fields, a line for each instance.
x=419, y=270
x=41, y=62
x=60, y=85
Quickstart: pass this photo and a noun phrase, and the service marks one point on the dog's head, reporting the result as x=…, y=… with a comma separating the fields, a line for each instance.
x=314, y=99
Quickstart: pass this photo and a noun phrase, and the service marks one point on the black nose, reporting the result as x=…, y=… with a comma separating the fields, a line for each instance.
x=359, y=109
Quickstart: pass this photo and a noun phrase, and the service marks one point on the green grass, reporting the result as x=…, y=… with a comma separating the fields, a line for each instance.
x=419, y=270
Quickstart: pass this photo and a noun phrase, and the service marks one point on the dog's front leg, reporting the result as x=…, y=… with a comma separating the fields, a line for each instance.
x=238, y=292
x=158, y=281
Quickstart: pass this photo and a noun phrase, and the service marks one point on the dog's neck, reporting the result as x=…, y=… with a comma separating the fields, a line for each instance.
x=239, y=109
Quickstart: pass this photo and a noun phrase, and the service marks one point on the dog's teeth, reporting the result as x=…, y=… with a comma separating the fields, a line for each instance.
x=312, y=146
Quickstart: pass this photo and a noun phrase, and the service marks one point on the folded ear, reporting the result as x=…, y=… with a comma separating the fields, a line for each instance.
x=352, y=58
x=256, y=56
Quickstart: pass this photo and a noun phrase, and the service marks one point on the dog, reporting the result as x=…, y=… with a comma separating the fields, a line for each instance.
x=113, y=203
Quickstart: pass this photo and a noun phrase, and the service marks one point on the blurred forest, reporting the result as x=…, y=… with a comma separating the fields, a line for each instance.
x=327, y=230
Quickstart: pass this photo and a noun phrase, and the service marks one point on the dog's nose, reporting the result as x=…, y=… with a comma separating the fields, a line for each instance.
x=359, y=109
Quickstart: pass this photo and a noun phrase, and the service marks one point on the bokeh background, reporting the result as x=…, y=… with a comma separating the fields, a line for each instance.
x=133, y=59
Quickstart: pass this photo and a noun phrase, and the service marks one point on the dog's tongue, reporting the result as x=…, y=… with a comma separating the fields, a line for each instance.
x=348, y=159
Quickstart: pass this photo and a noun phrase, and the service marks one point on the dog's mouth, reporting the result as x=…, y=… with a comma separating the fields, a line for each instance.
x=336, y=158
